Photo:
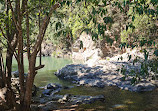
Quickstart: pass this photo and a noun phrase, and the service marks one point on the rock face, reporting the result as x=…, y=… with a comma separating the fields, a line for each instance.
x=88, y=51
x=105, y=72
x=91, y=50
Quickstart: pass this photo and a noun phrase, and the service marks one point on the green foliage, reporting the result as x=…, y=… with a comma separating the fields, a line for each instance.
x=148, y=68
x=98, y=16
x=108, y=20
x=156, y=52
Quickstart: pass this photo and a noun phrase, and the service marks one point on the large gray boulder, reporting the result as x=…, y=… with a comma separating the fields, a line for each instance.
x=100, y=76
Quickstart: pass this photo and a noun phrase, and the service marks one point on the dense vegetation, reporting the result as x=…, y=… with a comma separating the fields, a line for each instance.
x=23, y=24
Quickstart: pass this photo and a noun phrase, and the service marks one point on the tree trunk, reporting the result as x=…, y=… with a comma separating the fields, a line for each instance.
x=10, y=98
x=29, y=83
x=2, y=78
x=32, y=61
x=8, y=69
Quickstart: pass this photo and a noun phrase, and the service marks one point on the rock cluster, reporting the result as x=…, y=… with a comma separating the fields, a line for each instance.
x=79, y=99
x=49, y=100
x=105, y=73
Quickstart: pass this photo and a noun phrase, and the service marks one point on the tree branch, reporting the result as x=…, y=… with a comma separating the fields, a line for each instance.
x=8, y=43
x=43, y=29
x=9, y=50
x=39, y=67
x=28, y=32
x=13, y=15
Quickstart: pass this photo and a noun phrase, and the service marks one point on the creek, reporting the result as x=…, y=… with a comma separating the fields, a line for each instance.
x=115, y=98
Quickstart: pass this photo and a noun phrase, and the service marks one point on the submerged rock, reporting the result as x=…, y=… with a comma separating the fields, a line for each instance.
x=51, y=89
x=49, y=106
x=80, y=99
x=53, y=86
x=47, y=91
x=45, y=102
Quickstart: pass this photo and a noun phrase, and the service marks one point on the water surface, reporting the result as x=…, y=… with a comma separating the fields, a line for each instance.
x=46, y=74
x=115, y=98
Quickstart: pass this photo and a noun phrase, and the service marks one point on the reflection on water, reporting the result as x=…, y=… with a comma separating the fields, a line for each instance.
x=115, y=99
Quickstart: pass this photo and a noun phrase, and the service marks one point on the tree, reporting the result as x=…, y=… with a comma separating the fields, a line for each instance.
x=18, y=12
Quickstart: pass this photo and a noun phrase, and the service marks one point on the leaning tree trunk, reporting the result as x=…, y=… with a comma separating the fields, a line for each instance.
x=32, y=71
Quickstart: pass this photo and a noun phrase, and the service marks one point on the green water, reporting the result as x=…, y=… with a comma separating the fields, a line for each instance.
x=115, y=99
x=46, y=74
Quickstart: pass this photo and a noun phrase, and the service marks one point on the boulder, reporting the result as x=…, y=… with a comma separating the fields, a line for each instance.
x=102, y=75
x=145, y=87
x=65, y=98
x=76, y=99
x=80, y=99
x=51, y=89
x=53, y=86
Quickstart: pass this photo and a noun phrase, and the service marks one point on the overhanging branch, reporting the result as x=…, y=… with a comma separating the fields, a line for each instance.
x=39, y=67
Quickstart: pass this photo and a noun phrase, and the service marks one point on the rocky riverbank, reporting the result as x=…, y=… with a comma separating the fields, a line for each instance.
x=51, y=100
x=47, y=98
x=107, y=73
